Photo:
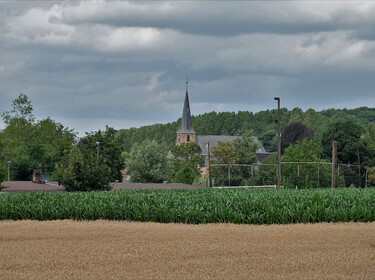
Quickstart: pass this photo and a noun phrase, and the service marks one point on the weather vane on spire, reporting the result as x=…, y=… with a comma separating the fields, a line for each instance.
x=187, y=81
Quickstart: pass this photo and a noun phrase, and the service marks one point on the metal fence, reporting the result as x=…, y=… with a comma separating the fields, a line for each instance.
x=294, y=175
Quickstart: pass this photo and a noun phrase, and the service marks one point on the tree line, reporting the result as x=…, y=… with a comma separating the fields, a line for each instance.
x=27, y=144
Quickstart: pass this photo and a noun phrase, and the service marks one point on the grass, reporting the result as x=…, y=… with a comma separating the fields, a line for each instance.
x=241, y=206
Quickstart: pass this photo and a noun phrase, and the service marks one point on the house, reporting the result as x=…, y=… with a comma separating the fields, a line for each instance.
x=187, y=134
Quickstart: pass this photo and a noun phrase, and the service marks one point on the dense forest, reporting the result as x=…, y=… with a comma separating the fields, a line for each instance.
x=261, y=123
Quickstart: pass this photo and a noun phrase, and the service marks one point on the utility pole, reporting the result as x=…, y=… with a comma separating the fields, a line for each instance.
x=359, y=168
x=278, y=121
x=334, y=164
x=209, y=165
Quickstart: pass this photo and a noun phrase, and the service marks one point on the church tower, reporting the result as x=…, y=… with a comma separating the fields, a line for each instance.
x=186, y=132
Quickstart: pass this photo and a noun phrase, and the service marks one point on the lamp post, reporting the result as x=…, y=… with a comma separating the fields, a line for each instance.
x=9, y=163
x=278, y=121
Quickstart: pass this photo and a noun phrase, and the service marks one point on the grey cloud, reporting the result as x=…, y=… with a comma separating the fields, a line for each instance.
x=125, y=63
x=217, y=18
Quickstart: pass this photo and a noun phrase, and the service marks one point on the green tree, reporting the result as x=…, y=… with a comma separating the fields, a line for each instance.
x=369, y=139
x=108, y=146
x=16, y=136
x=147, y=163
x=3, y=174
x=84, y=173
x=187, y=159
x=186, y=174
x=266, y=172
x=246, y=148
x=188, y=152
x=303, y=167
x=21, y=109
x=14, y=142
x=348, y=137
x=371, y=176
x=231, y=154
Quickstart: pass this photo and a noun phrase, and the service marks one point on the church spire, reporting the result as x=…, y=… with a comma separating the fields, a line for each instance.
x=186, y=132
x=186, y=124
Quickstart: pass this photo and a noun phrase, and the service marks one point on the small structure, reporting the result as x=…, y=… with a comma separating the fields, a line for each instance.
x=38, y=176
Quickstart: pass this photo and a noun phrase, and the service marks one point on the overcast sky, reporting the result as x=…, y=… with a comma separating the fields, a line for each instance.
x=124, y=63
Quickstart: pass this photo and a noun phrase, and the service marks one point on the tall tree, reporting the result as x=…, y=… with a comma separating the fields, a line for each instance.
x=188, y=152
x=85, y=173
x=369, y=139
x=347, y=134
x=240, y=151
x=246, y=148
x=147, y=163
x=303, y=166
x=29, y=145
x=21, y=109
x=107, y=145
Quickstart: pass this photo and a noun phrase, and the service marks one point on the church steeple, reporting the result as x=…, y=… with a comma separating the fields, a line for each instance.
x=186, y=132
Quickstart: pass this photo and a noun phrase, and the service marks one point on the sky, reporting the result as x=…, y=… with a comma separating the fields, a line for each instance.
x=88, y=64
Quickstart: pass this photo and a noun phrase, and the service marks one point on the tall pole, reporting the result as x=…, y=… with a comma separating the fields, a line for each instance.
x=209, y=165
x=359, y=168
x=278, y=121
x=334, y=164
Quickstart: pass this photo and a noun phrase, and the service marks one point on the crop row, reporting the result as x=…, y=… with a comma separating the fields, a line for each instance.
x=243, y=206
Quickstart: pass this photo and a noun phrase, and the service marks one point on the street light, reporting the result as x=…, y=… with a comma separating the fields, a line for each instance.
x=278, y=121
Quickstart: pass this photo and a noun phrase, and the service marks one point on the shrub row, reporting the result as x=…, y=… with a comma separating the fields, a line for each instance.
x=242, y=206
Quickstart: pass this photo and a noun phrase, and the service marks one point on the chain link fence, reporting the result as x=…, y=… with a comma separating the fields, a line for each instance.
x=294, y=175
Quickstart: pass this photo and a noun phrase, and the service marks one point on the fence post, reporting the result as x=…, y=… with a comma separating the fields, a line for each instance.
x=228, y=175
x=318, y=174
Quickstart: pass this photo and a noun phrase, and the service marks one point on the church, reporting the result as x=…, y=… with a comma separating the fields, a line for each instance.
x=187, y=134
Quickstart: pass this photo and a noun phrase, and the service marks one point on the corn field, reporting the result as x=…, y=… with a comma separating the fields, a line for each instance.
x=241, y=206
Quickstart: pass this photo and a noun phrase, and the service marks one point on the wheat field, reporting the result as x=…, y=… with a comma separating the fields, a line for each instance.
x=125, y=250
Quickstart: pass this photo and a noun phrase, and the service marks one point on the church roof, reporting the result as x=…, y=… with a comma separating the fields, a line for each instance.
x=186, y=124
x=214, y=140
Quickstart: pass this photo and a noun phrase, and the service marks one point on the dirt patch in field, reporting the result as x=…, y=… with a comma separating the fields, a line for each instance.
x=123, y=250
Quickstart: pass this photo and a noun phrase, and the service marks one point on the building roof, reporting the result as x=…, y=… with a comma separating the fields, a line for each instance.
x=214, y=140
x=186, y=124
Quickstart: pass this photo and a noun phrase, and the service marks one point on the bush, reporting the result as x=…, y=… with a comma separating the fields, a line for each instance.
x=186, y=174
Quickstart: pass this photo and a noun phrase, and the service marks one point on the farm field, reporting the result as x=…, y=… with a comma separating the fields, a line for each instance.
x=130, y=250
x=238, y=206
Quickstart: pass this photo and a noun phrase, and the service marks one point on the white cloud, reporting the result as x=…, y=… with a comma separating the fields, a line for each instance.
x=123, y=39
x=40, y=26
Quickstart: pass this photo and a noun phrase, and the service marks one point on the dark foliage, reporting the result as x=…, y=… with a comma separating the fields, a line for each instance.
x=293, y=133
